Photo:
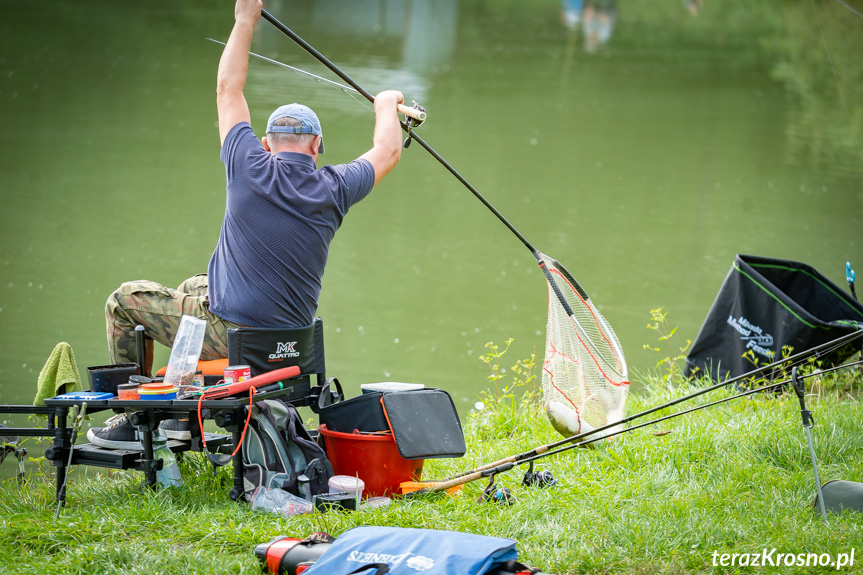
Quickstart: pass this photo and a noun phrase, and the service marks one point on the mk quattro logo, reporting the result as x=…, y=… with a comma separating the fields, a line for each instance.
x=284, y=350
x=755, y=338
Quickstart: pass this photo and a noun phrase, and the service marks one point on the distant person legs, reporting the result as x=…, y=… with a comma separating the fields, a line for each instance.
x=694, y=6
x=160, y=309
x=571, y=13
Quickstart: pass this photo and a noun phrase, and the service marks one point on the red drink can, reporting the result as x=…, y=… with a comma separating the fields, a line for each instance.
x=237, y=373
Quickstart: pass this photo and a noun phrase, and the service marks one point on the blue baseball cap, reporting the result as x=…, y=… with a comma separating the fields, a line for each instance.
x=309, y=123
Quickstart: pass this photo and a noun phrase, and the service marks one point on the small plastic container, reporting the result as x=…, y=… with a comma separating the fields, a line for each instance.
x=346, y=483
x=106, y=378
x=156, y=386
x=389, y=386
x=375, y=502
x=157, y=394
x=128, y=391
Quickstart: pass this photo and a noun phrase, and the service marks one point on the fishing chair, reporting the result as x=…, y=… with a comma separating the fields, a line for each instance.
x=264, y=349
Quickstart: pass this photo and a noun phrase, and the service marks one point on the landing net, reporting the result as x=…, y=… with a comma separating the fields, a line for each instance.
x=584, y=375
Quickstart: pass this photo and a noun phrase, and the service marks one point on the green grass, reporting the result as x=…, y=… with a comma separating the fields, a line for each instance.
x=731, y=479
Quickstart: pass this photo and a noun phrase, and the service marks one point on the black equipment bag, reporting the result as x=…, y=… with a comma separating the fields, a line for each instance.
x=361, y=413
x=277, y=450
x=424, y=422
x=765, y=304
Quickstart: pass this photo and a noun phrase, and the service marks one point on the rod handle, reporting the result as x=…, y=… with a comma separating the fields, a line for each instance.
x=412, y=112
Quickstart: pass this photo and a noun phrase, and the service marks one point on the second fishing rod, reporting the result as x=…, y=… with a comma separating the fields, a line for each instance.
x=502, y=466
x=582, y=438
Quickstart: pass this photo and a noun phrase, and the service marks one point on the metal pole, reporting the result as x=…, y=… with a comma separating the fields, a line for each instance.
x=808, y=422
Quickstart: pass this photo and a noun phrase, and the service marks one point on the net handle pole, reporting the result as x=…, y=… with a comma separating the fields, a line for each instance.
x=362, y=91
x=478, y=196
x=542, y=449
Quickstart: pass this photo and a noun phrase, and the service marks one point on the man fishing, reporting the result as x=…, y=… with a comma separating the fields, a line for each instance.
x=281, y=214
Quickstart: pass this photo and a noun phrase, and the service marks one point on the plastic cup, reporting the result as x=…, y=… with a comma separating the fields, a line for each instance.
x=346, y=483
x=128, y=391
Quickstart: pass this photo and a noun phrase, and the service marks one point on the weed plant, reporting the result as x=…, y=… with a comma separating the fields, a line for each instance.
x=671, y=498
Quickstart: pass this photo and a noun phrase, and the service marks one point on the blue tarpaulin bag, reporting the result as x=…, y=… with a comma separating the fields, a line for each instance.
x=402, y=551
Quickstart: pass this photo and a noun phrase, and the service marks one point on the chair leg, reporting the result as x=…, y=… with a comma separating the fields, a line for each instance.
x=20, y=453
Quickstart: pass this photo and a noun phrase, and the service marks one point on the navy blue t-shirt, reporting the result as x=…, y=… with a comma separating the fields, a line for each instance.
x=280, y=217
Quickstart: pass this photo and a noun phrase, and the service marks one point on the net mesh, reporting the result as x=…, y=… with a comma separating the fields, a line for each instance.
x=584, y=375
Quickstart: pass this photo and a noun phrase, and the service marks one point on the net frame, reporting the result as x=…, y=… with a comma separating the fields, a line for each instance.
x=584, y=375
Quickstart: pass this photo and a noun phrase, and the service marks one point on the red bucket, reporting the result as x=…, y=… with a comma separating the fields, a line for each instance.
x=374, y=458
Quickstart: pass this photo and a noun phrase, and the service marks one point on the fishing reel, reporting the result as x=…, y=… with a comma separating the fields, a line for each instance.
x=413, y=121
x=542, y=478
x=494, y=494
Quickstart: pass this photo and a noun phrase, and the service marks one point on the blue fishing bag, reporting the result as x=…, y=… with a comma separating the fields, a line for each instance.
x=401, y=551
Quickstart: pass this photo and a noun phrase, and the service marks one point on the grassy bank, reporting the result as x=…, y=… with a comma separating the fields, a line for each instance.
x=729, y=479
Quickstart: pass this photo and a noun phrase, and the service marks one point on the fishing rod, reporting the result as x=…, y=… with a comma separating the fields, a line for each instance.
x=858, y=14
x=492, y=470
x=771, y=386
x=797, y=359
x=609, y=347
x=607, y=350
x=406, y=127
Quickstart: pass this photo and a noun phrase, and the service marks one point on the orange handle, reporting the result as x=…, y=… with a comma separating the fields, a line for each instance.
x=221, y=391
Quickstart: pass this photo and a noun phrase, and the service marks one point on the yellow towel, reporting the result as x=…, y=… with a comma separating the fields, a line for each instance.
x=60, y=374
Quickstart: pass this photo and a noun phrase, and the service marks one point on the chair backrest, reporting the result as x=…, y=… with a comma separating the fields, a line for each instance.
x=267, y=348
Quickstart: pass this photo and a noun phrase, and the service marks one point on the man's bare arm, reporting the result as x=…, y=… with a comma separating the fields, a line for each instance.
x=234, y=68
x=387, y=149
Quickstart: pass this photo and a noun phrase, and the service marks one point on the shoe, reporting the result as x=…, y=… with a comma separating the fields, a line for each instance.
x=118, y=433
x=176, y=429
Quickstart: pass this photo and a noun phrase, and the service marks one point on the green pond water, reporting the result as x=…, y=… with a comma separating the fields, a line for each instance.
x=643, y=161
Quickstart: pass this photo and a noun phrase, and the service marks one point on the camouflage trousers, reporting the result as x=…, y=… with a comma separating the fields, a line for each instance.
x=159, y=309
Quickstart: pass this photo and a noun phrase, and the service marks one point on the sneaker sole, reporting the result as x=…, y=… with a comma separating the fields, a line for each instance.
x=107, y=444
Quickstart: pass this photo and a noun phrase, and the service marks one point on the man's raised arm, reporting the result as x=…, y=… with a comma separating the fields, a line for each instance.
x=387, y=149
x=234, y=67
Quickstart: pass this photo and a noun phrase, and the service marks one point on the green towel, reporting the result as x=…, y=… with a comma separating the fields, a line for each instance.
x=60, y=374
